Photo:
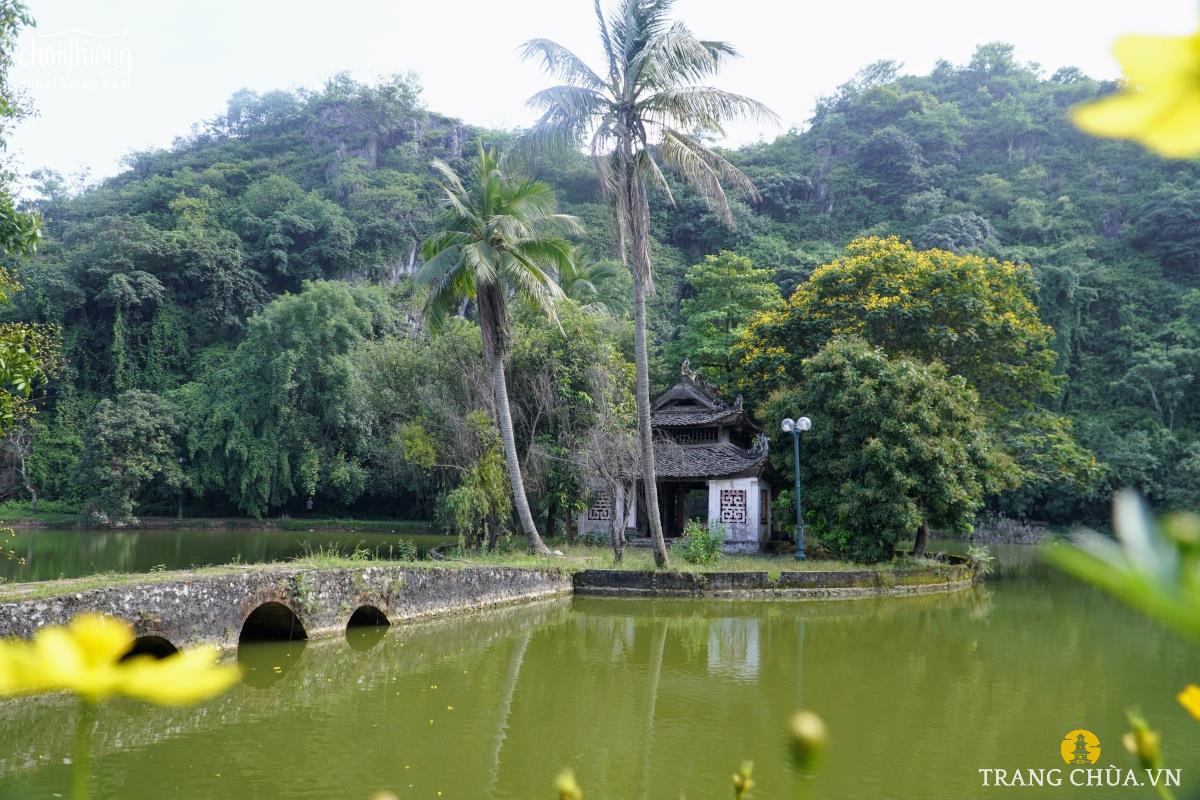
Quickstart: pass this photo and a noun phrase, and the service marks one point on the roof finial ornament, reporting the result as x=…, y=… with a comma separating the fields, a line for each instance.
x=738, y=403
x=685, y=369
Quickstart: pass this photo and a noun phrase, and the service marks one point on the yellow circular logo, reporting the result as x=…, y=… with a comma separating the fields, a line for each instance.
x=1080, y=748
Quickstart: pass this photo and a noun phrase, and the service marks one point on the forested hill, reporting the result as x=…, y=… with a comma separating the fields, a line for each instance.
x=154, y=273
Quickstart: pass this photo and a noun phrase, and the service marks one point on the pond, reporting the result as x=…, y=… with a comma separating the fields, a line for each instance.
x=70, y=553
x=652, y=699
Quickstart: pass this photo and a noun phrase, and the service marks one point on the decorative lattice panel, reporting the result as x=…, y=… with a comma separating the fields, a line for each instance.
x=733, y=505
x=764, y=504
x=601, y=509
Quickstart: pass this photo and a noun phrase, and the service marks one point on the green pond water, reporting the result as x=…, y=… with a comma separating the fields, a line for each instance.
x=652, y=699
x=51, y=553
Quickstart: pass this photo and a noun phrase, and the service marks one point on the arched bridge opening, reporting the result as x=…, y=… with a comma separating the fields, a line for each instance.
x=150, y=645
x=366, y=627
x=272, y=622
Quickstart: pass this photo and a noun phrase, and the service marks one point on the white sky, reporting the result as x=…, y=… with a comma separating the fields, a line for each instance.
x=111, y=76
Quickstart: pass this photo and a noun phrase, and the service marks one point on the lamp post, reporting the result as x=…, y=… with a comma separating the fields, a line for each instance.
x=795, y=427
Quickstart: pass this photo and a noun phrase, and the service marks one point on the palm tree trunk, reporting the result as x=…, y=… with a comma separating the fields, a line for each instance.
x=504, y=420
x=637, y=214
x=645, y=432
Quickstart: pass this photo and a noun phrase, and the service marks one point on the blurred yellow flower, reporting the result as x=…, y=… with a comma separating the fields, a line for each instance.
x=1189, y=698
x=566, y=786
x=1160, y=104
x=85, y=658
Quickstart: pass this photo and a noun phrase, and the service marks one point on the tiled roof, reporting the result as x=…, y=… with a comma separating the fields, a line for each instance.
x=705, y=460
x=679, y=417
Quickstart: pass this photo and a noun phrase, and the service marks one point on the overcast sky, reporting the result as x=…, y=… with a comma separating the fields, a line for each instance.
x=120, y=75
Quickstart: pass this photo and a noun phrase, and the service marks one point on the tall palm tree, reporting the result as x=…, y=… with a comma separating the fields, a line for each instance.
x=498, y=237
x=647, y=106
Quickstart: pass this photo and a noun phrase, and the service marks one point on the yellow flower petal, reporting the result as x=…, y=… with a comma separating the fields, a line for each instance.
x=101, y=640
x=1160, y=105
x=85, y=658
x=1189, y=698
x=1124, y=116
x=1177, y=133
x=178, y=679
x=1151, y=59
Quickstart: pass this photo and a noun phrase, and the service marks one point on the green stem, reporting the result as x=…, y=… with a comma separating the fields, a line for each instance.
x=81, y=767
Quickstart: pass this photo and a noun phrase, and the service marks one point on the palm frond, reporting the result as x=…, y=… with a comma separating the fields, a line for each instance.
x=531, y=284
x=558, y=60
x=704, y=107
x=569, y=102
x=447, y=286
x=451, y=181
x=496, y=231
x=649, y=166
x=610, y=54
x=685, y=157
x=725, y=171
x=601, y=151
x=676, y=56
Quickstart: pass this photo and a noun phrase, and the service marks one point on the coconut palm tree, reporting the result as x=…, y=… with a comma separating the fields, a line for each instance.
x=592, y=285
x=647, y=107
x=499, y=238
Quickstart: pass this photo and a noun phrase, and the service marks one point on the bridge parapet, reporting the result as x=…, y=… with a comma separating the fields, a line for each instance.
x=216, y=608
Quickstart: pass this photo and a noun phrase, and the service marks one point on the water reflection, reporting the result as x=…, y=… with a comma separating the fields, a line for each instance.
x=365, y=637
x=265, y=664
x=69, y=553
x=645, y=698
x=733, y=648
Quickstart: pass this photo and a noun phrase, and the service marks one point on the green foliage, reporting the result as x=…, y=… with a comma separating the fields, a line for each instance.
x=724, y=293
x=982, y=560
x=404, y=550
x=153, y=275
x=497, y=235
x=973, y=314
x=1152, y=568
x=700, y=544
x=893, y=443
x=285, y=414
x=130, y=442
x=482, y=498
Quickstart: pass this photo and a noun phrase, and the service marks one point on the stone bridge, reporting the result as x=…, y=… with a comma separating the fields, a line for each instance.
x=284, y=604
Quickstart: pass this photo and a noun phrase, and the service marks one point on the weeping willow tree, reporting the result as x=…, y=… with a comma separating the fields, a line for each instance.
x=499, y=238
x=645, y=109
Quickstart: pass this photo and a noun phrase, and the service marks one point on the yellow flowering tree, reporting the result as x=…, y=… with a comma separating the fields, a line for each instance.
x=974, y=315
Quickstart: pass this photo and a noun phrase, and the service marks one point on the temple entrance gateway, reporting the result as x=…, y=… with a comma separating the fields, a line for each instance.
x=711, y=465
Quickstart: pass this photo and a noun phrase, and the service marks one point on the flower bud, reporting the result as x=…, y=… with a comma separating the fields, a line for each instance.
x=1143, y=743
x=567, y=787
x=808, y=738
x=742, y=782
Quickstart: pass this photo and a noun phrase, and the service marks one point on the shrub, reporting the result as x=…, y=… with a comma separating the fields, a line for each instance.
x=404, y=550
x=700, y=544
x=982, y=560
x=13, y=508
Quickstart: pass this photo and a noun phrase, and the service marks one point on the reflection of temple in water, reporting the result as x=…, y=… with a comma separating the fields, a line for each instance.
x=733, y=648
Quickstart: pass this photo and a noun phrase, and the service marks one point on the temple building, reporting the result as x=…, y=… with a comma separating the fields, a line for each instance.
x=711, y=464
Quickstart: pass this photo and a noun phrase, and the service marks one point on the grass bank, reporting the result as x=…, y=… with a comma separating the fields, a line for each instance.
x=575, y=558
